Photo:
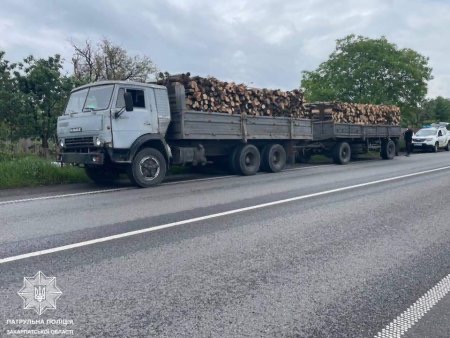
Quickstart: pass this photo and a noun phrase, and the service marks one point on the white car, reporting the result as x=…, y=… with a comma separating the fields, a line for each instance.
x=432, y=138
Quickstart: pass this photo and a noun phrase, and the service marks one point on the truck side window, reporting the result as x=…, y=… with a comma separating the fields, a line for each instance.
x=440, y=133
x=137, y=95
x=120, y=100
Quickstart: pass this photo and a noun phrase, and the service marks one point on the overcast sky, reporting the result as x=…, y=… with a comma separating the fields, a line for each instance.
x=263, y=43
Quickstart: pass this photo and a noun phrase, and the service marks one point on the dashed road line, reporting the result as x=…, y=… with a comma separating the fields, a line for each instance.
x=211, y=216
x=400, y=325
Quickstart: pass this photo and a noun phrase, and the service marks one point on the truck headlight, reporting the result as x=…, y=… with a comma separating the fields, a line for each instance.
x=61, y=143
x=98, y=142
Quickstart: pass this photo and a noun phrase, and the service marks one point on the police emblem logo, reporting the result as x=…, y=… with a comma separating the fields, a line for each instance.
x=39, y=293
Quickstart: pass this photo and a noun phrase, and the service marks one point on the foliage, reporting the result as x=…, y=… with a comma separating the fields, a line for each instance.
x=364, y=70
x=8, y=95
x=431, y=111
x=33, y=171
x=106, y=61
x=43, y=93
x=438, y=108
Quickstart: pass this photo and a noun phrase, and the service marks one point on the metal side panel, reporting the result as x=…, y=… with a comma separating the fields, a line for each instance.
x=382, y=131
x=196, y=125
x=278, y=128
x=192, y=125
x=344, y=130
x=329, y=130
x=323, y=130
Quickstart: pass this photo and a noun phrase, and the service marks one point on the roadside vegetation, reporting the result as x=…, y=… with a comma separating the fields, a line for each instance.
x=27, y=171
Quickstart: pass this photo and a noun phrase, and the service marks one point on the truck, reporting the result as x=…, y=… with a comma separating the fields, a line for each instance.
x=141, y=129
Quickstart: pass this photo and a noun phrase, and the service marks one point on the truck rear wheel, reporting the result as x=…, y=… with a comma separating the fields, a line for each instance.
x=232, y=162
x=247, y=160
x=102, y=175
x=148, y=168
x=342, y=153
x=447, y=147
x=388, y=149
x=273, y=158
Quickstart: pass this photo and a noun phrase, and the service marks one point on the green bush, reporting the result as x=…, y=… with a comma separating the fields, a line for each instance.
x=33, y=171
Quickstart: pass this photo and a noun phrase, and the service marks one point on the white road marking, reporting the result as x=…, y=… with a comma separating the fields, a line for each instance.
x=62, y=195
x=411, y=316
x=211, y=216
x=121, y=189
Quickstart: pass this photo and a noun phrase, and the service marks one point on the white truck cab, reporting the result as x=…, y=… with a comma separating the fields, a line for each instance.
x=432, y=138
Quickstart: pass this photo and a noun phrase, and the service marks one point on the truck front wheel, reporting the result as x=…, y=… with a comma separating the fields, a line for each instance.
x=342, y=153
x=148, y=168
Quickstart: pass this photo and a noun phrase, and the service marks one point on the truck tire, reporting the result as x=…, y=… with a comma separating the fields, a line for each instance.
x=232, y=162
x=388, y=149
x=273, y=158
x=148, y=168
x=247, y=160
x=447, y=147
x=342, y=153
x=102, y=175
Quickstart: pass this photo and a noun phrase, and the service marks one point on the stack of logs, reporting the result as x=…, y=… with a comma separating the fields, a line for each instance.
x=212, y=95
x=354, y=113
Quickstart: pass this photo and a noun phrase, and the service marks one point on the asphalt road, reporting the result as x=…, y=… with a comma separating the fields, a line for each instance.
x=319, y=251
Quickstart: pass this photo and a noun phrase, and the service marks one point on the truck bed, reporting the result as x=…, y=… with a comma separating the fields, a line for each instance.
x=198, y=125
x=325, y=130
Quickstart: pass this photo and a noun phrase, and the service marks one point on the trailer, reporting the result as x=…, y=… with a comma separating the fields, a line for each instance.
x=142, y=129
x=344, y=141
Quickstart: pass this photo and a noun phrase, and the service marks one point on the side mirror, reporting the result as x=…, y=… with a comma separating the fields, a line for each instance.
x=128, y=101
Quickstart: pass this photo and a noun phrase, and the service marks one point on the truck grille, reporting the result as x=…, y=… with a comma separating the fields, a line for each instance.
x=77, y=142
x=419, y=140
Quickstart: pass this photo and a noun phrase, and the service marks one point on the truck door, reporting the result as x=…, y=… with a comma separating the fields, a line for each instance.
x=132, y=124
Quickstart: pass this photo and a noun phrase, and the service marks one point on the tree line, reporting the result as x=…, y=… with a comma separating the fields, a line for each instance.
x=363, y=70
x=33, y=92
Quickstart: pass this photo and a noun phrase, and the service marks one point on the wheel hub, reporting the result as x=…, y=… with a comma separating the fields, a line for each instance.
x=149, y=168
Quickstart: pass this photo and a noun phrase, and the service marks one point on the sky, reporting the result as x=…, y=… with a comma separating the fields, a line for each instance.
x=262, y=43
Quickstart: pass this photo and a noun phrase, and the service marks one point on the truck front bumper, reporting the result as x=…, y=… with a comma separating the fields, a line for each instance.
x=83, y=158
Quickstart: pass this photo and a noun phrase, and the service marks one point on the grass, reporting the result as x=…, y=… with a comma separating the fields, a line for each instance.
x=29, y=171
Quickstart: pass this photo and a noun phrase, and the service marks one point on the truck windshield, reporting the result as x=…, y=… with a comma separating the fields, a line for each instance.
x=90, y=99
x=426, y=132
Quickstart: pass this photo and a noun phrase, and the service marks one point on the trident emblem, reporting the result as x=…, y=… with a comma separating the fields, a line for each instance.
x=39, y=293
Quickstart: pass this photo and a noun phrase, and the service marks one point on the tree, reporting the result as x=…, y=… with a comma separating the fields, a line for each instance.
x=106, y=61
x=44, y=92
x=439, y=108
x=364, y=70
x=8, y=97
